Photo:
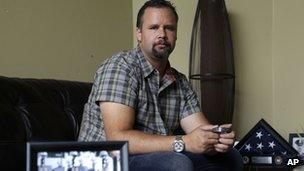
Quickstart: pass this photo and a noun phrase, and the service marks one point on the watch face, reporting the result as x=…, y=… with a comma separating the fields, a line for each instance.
x=178, y=146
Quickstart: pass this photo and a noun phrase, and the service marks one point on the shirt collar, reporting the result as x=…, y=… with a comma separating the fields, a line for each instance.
x=145, y=65
x=148, y=68
x=169, y=74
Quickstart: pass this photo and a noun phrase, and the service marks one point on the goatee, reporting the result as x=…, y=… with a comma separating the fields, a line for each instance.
x=164, y=54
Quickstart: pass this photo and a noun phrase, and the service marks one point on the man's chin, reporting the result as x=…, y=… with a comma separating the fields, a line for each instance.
x=161, y=54
x=161, y=57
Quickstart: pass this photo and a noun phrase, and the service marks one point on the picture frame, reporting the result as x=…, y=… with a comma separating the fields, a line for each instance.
x=73, y=155
x=297, y=142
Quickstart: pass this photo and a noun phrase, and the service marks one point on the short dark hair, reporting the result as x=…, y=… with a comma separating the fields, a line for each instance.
x=155, y=4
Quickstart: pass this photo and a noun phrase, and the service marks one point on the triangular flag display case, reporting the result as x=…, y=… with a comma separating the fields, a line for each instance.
x=263, y=146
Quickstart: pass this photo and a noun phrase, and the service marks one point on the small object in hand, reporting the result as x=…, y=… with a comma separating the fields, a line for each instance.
x=221, y=130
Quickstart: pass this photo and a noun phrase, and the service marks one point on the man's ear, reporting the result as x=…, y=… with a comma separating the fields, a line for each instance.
x=138, y=34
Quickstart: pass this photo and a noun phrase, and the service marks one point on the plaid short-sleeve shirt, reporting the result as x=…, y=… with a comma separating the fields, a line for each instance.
x=128, y=78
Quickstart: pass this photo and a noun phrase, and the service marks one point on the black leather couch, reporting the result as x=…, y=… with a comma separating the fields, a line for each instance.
x=37, y=110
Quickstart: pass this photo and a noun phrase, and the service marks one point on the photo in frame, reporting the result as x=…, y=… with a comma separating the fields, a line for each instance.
x=74, y=155
x=297, y=142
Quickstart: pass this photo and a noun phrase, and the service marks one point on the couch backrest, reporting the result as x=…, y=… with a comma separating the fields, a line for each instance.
x=39, y=110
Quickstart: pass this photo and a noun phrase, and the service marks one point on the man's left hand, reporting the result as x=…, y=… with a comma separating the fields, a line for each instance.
x=226, y=140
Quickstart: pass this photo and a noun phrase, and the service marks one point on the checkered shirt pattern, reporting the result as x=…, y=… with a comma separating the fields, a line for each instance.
x=128, y=78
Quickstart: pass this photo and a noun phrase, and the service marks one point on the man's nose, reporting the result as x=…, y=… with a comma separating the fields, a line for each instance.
x=161, y=33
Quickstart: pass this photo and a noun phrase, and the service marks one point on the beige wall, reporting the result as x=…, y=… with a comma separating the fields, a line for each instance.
x=268, y=44
x=61, y=39
x=251, y=26
x=268, y=50
x=288, y=55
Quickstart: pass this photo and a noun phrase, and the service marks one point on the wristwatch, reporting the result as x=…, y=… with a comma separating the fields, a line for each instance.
x=178, y=144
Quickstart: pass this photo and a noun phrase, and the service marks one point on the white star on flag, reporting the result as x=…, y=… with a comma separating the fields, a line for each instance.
x=271, y=144
x=259, y=135
x=248, y=147
x=260, y=146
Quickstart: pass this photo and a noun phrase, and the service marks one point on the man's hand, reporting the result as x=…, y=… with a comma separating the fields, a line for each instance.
x=201, y=140
x=226, y=140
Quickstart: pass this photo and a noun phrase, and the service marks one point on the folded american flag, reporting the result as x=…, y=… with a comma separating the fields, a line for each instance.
x=262, y=145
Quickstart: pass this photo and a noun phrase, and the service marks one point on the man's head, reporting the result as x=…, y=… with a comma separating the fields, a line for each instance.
x=154, y=4
x=156, y=29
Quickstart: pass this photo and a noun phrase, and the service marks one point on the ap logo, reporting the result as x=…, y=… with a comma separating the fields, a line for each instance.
x=293, y=162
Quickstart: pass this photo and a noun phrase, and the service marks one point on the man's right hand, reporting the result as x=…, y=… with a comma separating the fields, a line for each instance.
x=201, y=140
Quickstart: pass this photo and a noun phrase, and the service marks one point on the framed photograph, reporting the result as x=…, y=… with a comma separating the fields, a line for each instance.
x=297, y=142
x=65, y=156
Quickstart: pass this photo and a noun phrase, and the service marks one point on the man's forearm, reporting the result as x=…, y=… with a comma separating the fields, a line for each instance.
x=140, y=142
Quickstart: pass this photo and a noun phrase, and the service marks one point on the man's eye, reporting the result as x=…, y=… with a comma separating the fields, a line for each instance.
x=153, y=27
x=171, y=28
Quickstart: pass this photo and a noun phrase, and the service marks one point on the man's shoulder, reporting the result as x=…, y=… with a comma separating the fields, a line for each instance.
x=127, y=58
x=123, y=59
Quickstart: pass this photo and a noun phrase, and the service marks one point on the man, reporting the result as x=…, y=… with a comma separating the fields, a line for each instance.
x=138, y=97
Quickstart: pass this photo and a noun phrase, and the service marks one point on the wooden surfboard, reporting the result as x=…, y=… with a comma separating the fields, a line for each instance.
x=211, y=71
